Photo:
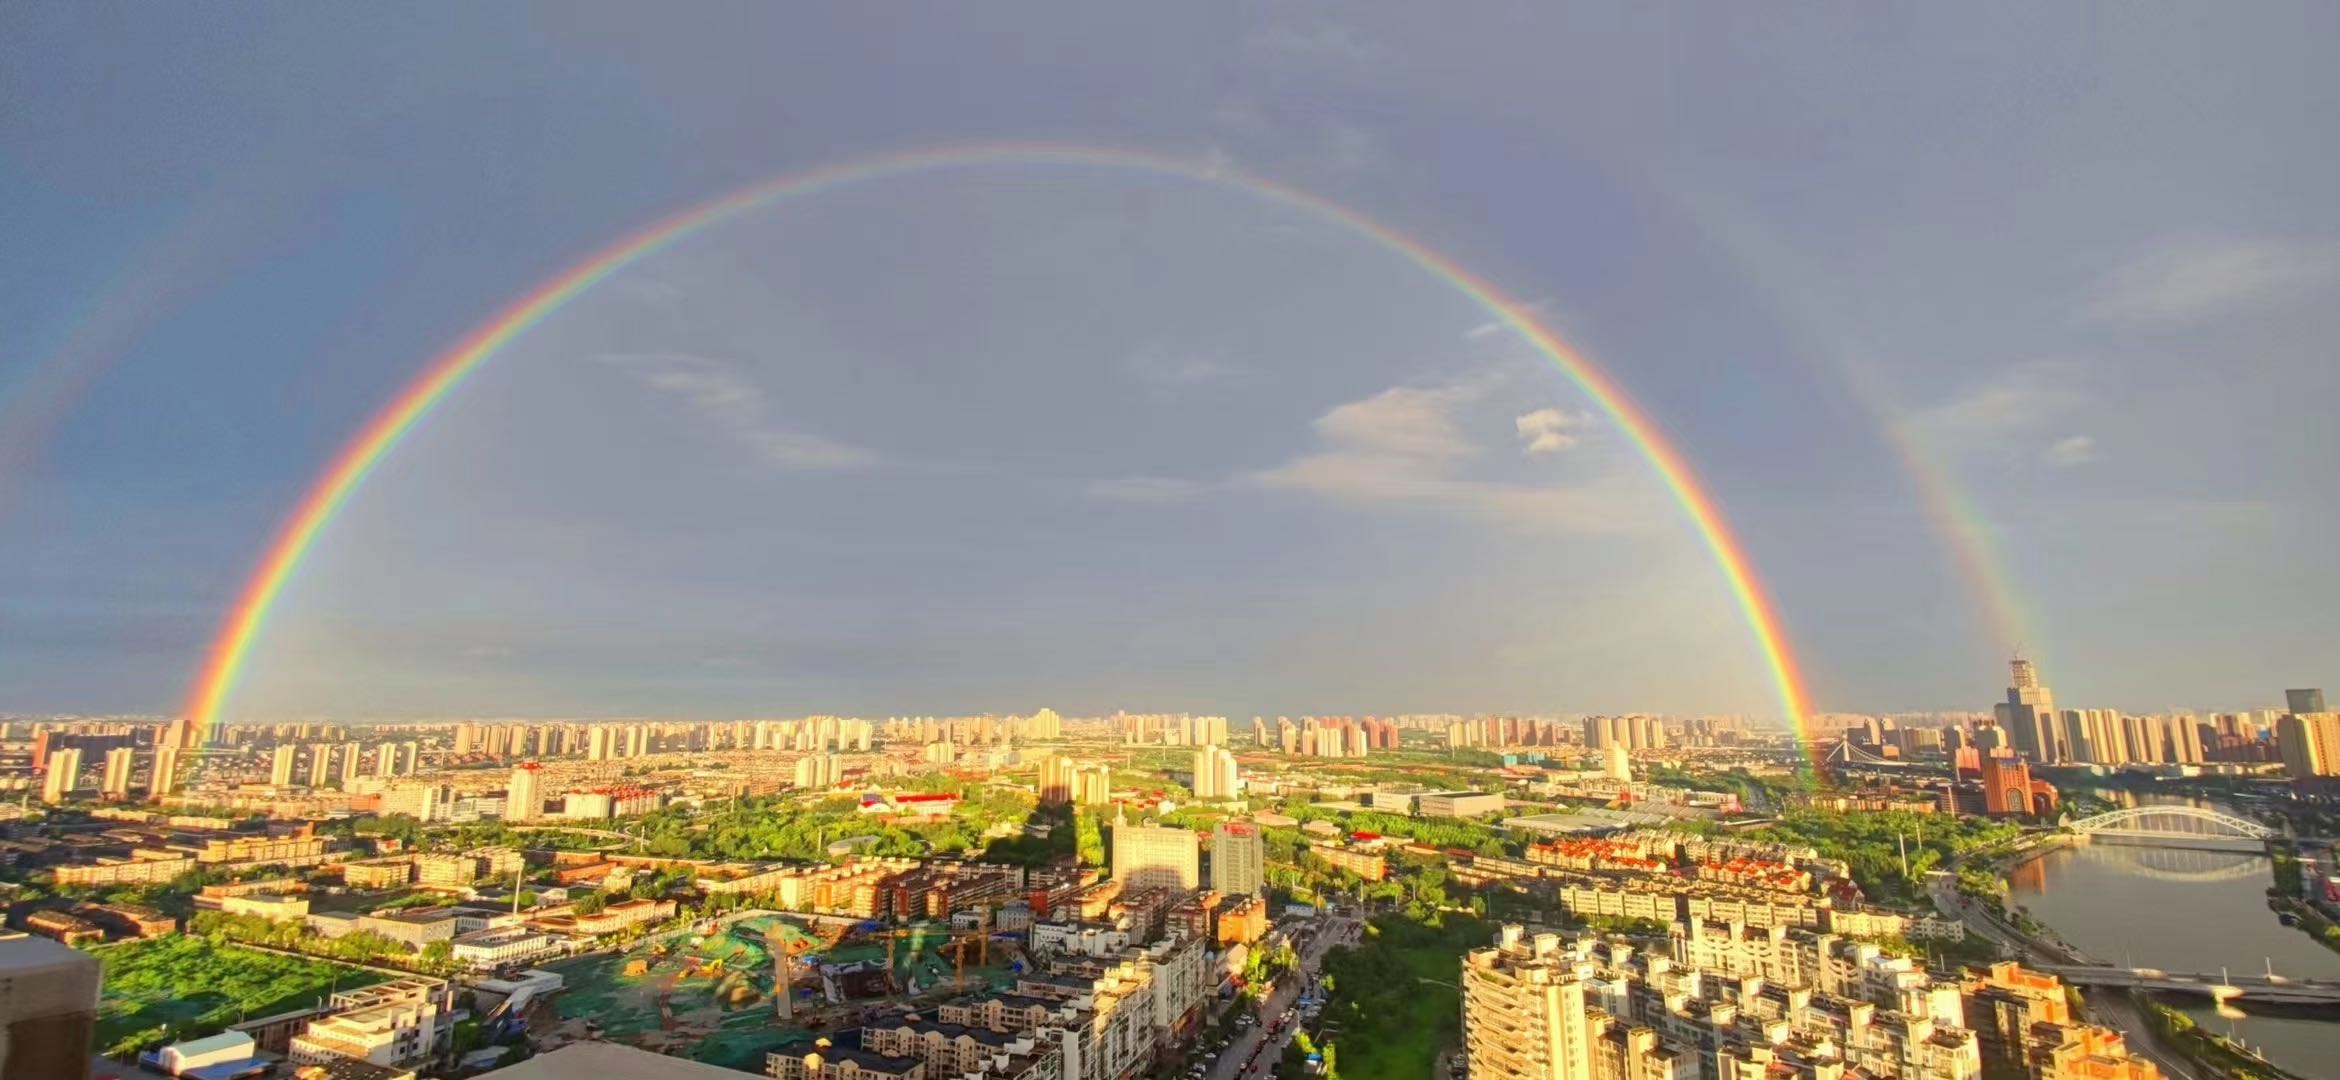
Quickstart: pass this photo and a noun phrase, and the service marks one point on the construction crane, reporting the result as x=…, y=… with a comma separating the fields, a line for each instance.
x=958, y=946
x=891, y=937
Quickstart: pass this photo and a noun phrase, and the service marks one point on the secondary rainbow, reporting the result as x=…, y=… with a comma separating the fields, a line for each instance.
x=1802, y=299
x=231, y=649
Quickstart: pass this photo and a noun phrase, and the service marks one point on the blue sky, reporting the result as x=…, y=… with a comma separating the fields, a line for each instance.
x=991, y=438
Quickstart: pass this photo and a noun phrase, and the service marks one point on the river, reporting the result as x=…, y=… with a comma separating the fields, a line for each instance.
x=2178, y=910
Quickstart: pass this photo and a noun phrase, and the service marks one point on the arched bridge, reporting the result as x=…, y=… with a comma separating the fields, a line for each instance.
x=2175, y=825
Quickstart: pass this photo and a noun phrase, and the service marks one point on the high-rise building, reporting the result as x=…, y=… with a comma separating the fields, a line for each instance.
x=1238, y=859
x=2029, y=716
x=280, y=765
x=62, y=775
x=165, y=777
x=2309, y=743
x=320, y=764
x=50, y=1009
x=816, y=772
x=117, y=777
x=1093, y=785
x=524, y=796
x=1524, y=1011
x=1056, y=779
x=597, y=741
x=1148, y=856
x=1215, y=774
x=2310, y=700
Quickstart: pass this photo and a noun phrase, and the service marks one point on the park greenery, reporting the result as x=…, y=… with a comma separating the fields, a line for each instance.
x=187, y=986
x=295, y=935
x=1393, y=999
x=1872, y=845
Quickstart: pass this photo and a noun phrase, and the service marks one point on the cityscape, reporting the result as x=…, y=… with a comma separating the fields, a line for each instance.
x=1042, y=897
x=1177, y=542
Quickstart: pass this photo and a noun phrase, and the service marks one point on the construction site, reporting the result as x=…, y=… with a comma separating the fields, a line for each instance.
x=707, y=993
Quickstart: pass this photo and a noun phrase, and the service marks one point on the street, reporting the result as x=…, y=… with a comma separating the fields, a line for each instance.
x=1239, y=1053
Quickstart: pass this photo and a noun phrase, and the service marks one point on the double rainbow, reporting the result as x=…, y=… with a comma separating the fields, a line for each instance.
x=231, y=650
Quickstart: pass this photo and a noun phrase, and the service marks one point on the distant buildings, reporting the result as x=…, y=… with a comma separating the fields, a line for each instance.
x=1063, y=780
x=2309, y=741
x=1215, y=774
x=524, y=795
x=62, y=775
x=2029, y=717
x=116, y=784
x=1457, y=804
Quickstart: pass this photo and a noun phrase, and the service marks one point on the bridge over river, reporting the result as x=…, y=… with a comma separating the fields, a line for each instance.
x=2172, y=825
x=2221, y=986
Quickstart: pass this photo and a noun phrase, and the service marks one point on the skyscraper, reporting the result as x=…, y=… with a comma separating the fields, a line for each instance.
x=1215, y=774
x=117, y=776
x=280, y=767
x=62, y=775
x=2309, y=742
x=166, y=772
x=2029, y=716
x=524, y=797
x=320, y=765
x=1148, y=856
x=2305, y=701
x=1238, y=859
x=1523, y=1011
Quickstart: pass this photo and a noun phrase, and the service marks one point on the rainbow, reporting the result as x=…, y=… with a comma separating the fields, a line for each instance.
x=1798, y=293
x=231, y=649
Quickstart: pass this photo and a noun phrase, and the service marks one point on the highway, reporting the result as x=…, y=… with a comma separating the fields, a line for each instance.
x=1337, y=930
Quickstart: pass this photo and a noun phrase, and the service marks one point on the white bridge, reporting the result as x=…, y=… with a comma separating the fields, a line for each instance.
x=2173, y=825
x=1847, y=752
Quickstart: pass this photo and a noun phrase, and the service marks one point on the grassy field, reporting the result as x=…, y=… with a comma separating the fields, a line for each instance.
x=185, y=987
x=1395, y=999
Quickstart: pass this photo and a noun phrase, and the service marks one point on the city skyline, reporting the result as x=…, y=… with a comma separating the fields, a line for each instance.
x=923, y=473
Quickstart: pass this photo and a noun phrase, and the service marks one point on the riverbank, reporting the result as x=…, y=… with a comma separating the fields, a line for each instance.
x=2174, y=1028
x=2144, y=906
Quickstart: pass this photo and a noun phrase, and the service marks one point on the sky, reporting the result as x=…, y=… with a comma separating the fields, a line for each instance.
x=2047, y=291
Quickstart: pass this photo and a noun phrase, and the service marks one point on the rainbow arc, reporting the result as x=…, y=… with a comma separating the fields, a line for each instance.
x=231, y=649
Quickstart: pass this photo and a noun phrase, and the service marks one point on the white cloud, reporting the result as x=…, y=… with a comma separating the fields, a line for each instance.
x=738, y=406
x=2199, y=278
x=2066, y=452
x=1162, y=366
x=1146, y=489
x=1408, y=421
x=2020, y=399
x=1486, y=330
x=1406, y=447
x=1546, y=430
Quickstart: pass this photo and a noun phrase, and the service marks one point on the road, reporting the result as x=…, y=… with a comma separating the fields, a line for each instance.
x=1230, y=1063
